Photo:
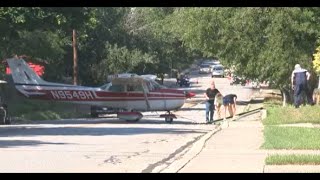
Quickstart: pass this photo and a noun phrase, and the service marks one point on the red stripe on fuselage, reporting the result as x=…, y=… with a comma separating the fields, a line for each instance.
x=85, y=95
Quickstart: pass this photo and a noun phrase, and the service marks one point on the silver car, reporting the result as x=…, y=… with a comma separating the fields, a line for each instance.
x=217, y=70
x=204, y=68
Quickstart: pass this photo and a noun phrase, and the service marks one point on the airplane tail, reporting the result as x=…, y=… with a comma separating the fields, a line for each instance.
x=22, y=74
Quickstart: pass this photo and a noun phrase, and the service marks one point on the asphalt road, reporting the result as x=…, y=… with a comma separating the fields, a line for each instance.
x=108, y=144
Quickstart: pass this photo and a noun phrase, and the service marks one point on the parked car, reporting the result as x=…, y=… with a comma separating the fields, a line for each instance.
x=204, y=68
x=217, y=70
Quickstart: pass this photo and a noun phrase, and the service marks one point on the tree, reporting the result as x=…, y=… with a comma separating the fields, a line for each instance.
x=261, y=43
x=316, y=64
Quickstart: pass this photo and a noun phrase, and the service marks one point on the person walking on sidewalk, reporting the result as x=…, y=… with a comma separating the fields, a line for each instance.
x=210, y=96
x=229, y=102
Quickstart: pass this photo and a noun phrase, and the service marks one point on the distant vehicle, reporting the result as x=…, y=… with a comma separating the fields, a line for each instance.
x=184, y=81
x=213, y=63
x=204, y=68
x=217, y=70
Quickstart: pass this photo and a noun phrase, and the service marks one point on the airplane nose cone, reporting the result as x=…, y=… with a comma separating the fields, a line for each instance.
x=190, y=94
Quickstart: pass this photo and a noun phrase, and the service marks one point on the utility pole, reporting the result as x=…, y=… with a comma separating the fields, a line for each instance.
x=75, y=58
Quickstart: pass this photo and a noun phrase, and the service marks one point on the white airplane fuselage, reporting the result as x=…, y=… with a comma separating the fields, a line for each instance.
x=150, y=97
x=159, y=100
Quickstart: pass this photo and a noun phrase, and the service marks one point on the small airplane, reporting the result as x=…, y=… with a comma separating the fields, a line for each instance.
x=133, y=94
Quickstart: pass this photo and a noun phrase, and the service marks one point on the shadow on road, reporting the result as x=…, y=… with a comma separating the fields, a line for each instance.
x=10, y=143
x=91, y=131
x=112, y=120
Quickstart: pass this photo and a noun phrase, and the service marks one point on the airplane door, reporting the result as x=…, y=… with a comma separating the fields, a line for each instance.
x=137, y=98
x=155, y=97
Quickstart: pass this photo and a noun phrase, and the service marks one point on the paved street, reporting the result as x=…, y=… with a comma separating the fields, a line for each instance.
x=108, y=144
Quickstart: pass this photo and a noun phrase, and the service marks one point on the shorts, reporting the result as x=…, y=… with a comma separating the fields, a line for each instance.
x=227, y=101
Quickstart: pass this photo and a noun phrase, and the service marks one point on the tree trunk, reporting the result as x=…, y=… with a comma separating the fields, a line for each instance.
x=75, y=58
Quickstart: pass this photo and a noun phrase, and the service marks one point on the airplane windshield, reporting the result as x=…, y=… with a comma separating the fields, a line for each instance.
x=153, y=85
x=106, y=86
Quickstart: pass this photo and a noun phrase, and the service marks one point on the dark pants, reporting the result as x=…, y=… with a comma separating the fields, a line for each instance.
x=209, y=111
x=299, y=90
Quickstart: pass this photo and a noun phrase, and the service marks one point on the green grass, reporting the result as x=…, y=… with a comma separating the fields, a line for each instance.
x=291, y=138
x=287, y=115
x=293, y=159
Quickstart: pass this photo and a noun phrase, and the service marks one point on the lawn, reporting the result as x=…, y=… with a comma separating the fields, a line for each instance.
x=291, y=138
x=287, y=115
x=293, y=159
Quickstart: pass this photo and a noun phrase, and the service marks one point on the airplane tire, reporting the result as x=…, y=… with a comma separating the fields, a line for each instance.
x=168, y=119
x=3, y=116
x=7, y=120
x=136, y=120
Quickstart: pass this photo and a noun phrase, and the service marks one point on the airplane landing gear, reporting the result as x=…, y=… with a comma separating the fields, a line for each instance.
x=130, y=116
x=4, y=117
x=168, y=117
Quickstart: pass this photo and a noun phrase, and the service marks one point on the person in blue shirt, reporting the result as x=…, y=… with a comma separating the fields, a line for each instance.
x=299, y=82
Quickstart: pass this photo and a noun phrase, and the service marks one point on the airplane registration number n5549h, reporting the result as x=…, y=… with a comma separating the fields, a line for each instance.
x=71, y=94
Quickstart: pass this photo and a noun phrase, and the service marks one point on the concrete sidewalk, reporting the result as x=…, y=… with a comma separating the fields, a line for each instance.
x=233, y=149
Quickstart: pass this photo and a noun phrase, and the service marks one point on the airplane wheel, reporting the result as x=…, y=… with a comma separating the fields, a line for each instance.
x=136, y=120
x=7, y=120
x=168, y=119
x=133, y=120
x=3, y=116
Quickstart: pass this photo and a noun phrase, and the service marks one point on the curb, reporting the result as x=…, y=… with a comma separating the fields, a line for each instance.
x=196, y=148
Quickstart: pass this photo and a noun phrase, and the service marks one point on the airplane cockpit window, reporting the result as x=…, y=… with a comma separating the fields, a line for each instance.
x=137, y=87
x=116, y=88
